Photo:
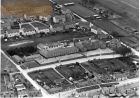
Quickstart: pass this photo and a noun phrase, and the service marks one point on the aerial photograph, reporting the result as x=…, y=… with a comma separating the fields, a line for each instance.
x=69, y=49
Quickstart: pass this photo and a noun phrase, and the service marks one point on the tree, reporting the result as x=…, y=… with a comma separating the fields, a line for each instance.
x=116, y=34
x=124, y=51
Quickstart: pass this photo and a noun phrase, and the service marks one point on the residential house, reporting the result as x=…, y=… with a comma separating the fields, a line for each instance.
x=31, y=57
x=59, y=18
x=69, y=25
x=59, y=52
x=18, y=59
x=12, y=33
x=84, y=25
x=120, y=77
x=94, y=29
x=50, y=46
x=58, y=27
x=27, y=29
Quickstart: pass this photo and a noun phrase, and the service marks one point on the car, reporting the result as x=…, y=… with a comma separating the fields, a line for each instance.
x=96, y=15
x=69, y=4
x=99, y=17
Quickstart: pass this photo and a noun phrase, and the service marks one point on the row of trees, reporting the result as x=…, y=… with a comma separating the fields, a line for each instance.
x=22, y=51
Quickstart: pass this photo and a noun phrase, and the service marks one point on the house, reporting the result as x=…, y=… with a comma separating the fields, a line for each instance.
x=101, y=35
x=35, y=93
x=20, y=87
x=59, y=52
x=94, y=29
x=84, y=25
x=53, y=46
x=120, y=77
x=12, y=32
x=50, y=46
x=18, y=59
x=8, y=94
x=59, y=18
x=2, y=35
x=69, y=25
x=23, y=94
x=58, y=27
x=41, y=46
x=27, y=29
x=31, y=57
x=65, y=11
